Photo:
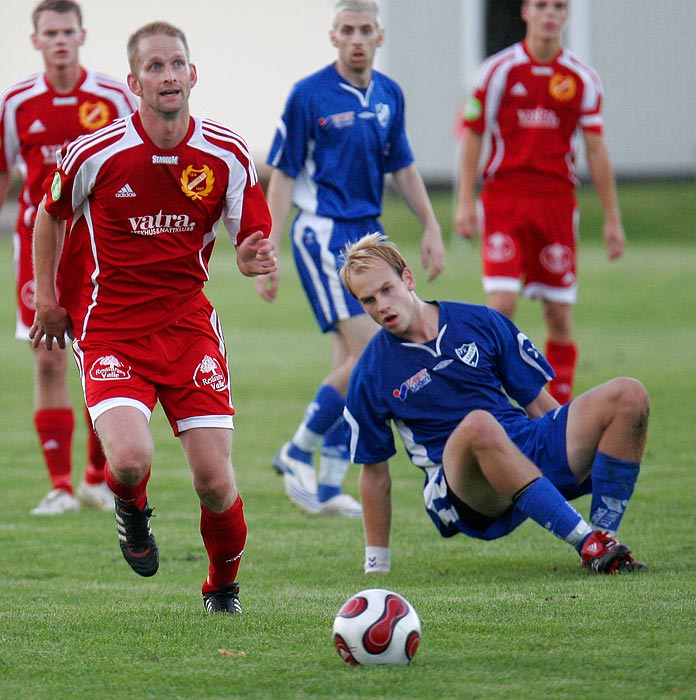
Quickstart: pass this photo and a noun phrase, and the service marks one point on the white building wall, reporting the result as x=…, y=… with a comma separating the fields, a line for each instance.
x=249, y=54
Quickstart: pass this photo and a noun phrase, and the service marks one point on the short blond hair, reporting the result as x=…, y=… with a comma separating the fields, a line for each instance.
x=356, y=6
x=364, y=253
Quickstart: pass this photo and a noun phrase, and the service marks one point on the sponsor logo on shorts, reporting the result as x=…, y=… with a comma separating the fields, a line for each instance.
x=209, y=373
x=107, y=368
x=27, y=294
x=556, y=258
x=499, y=247
x=413, y=384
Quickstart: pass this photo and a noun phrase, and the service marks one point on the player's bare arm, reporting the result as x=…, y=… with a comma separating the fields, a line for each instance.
x=411, y=187
x=541, y=405
x=603, y=180
x=375, y=496
x=279, y=198
x=52, y=321
x=466, y=217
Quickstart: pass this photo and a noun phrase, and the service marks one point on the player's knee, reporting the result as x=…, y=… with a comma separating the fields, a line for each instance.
x=480, y=430
x=631, y=398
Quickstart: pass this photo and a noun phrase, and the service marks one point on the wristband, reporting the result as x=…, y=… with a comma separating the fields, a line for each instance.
x=377, y=560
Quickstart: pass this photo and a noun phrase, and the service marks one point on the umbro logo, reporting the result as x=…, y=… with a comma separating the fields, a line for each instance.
x=37, y=127
x=518, y=90
x=126, y=191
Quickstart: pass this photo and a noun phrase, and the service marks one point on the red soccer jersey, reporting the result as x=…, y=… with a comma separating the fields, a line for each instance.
x=36, y=122
x=145, y=222
x=533, y=111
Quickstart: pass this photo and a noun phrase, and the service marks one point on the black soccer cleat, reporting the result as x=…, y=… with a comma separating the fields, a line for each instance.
x=137, y=542
x=603, y=554
x=226, y=600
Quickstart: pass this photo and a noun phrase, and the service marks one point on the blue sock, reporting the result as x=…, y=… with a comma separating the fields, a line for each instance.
x=613, y=481
x=334, y=462
x=542, y=502
x=321, y=415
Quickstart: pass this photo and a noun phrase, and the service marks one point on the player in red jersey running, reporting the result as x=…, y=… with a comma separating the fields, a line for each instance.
x=39, y=115
x=146, y=195
x=532, y=98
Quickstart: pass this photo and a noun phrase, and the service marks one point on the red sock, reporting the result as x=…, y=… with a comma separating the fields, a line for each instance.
x=55, y=428
x=94, y=473
x=563, y=359
x=132, y=495
x=224, y=537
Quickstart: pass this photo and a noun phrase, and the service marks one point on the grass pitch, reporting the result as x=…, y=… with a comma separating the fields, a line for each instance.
x=514, y=618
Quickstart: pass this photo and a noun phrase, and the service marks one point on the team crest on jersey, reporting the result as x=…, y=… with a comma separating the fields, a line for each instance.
x=94, y=115
x=383, y=113
x=210, y=373
x=109, y=367
x=413, y=384
x=468, y=353
x=562, y=87
x=197, y=182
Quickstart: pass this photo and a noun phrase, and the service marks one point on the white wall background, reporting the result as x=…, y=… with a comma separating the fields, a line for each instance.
x=250, y=52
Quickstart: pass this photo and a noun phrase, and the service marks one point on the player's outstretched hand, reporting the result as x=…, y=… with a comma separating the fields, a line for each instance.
x=256, y=255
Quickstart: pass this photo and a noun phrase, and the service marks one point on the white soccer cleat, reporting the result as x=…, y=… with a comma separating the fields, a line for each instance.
x=95, y=495
x=301, y=487
x=57, y=502
x=341, y=504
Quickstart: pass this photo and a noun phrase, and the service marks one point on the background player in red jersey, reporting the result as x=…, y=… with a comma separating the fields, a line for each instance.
x=38, y=115
x=146, y=195
x=533, y=97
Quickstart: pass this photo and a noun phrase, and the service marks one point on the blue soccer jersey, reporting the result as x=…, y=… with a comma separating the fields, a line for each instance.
x=338, y=142
x=479, y=359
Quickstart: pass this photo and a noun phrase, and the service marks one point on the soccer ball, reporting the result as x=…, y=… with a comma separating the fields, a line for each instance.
x=378, y=627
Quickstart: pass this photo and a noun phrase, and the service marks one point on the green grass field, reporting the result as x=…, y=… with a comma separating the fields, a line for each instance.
x=515, y=618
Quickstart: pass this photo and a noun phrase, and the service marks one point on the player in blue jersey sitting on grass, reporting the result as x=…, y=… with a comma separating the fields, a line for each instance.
x=341, y=133
x=443, y=372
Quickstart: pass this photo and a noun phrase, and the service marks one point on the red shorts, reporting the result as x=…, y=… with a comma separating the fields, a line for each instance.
x=24, y=280
x=529, y=244
x=183, y=366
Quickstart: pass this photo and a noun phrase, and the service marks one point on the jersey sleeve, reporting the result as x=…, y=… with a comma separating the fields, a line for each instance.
x=522, y=369
x=372, y=439
x=289, y=147
x=400, y=154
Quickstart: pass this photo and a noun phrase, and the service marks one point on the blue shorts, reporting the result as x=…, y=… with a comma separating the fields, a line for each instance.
x=543, y=440
x=318, y=244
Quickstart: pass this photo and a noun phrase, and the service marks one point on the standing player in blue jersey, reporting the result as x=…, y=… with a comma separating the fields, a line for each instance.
x=443, y=372
x=341, y=133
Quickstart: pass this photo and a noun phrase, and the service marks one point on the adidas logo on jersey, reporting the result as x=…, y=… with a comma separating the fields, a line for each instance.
x=126, y=191
x=37, y=127
x=518, y=90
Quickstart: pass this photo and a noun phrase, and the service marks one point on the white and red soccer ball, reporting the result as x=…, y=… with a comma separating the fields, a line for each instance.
x=377, y=626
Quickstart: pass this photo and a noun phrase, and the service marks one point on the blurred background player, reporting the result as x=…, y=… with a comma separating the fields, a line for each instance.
x=532, y=97
x=443, y=372
x=39, y=115
x=341, y=133
x=153, y=188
